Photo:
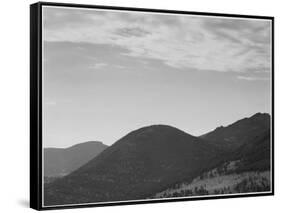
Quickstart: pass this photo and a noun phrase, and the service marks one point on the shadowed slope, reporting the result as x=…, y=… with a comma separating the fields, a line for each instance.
x=238, y=133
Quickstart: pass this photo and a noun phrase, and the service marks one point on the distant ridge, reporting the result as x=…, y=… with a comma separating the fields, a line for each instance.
x=62, y=161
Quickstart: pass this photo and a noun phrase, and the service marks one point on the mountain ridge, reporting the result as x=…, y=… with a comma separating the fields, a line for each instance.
x=153, y=158
x=139, y=164
x=77, y=144
x=236, y=134
x=61, y=161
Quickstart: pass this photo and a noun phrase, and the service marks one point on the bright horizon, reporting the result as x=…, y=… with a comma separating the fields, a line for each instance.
x=108, y=73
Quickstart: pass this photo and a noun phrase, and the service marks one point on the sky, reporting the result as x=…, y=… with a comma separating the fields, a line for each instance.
x=107, y=73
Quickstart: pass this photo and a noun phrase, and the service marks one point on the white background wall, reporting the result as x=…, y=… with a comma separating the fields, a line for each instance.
x=14, y=106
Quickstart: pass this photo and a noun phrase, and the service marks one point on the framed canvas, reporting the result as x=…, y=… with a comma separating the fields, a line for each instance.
x=133, y=105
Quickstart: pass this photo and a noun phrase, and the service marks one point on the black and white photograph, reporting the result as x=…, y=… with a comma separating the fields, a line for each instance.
x=154, y=106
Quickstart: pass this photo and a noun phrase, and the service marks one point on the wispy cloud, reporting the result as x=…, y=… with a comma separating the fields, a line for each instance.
x=179, y=41
x=98, y=65
x=132, y=32
x=248, y=78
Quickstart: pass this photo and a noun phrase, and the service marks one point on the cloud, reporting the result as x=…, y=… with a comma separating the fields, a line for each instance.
x=132, y=32
x=179, y=41
x=98, y=65
x=248, y=78
x=249, y=38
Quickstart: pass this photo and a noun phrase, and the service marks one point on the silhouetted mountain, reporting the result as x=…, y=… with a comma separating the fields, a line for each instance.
x=238, y=133
x=137, y=166
x=62, y=161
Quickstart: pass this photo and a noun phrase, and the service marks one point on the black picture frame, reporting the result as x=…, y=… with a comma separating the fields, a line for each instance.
x=36, y=104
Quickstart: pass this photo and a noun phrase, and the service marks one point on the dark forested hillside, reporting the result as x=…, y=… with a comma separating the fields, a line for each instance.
x=246, y=168
x=235, y=135
x=255, y=154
